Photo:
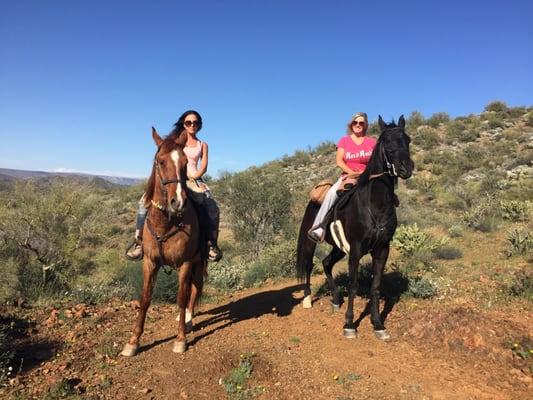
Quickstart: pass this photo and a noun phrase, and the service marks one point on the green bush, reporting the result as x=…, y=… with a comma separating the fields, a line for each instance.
x=259, y=203
x=496, y=120
x=520, y=241
x=522, y=285
x=438, y=118
x=414, y=120
x=427, y=138
x=410, y=239
x=482, y=216
x=422, y=288
x=497, y=106
x=516, y=210
x=165, y=289
x=455, y=231
x=227, y=275
x=529, y=119
x=447, y=253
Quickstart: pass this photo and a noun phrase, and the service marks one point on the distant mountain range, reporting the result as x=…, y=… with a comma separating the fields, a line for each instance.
x=15, y=174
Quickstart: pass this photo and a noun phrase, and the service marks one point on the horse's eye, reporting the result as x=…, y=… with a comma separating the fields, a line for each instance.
x=161, y=162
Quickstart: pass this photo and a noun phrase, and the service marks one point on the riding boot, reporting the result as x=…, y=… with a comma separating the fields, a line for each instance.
x=214, y=252
x=135, y=251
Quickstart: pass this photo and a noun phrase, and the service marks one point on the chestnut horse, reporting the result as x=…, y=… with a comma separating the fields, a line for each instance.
x=171, y=236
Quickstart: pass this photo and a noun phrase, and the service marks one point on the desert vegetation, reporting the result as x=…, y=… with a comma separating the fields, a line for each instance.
x=465, y=226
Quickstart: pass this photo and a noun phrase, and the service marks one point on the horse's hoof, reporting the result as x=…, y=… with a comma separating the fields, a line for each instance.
x=179, y=347
x=382, y=334
x=129, y=350
x=335, y=307
x=188, y=327
x=349, y=333
x=307, y=303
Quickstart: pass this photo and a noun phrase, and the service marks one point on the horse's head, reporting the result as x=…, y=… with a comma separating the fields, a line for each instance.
x=169, y=174
x=395, y=148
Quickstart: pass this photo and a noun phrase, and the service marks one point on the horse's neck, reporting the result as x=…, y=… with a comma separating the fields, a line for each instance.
x=380, y=191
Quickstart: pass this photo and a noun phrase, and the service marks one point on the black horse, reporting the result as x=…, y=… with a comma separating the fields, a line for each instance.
x=364, y=221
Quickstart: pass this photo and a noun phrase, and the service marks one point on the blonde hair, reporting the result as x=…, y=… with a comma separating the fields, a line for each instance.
x=357, y=115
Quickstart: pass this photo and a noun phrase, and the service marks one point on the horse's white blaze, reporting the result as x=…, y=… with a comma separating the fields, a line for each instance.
x=176, y=158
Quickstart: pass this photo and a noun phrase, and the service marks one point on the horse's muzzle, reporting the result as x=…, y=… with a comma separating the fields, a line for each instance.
x=176, y=206
x=406, y=168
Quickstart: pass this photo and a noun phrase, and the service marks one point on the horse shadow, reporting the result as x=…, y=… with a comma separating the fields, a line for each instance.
x=393, y=285
x=279, y=302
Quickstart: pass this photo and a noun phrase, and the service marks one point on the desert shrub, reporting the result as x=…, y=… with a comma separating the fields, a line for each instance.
x=427, y=138
x=496, y=120
x=255, y=275
x=419, y=263
x=9, y=283
x=455, y=231
x=529, y=119
x=102, y=292
x=516, y=210
x=438, y=118
x=447, y=252
x=414, y=120
x=259, y=204
x=422, y=288
x=410, y=240
x=324, y=148
x=227, y=276
x=496, y=106
x=522, y=285
x=482, y=216
x=165, y=288
x=520, y=241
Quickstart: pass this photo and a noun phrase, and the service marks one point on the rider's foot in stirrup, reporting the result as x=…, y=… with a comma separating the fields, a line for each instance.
x=214, y=254
x=316, y=234
x=135, y=252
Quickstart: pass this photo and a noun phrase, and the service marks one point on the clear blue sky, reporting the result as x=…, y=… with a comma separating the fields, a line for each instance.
x=81, y=83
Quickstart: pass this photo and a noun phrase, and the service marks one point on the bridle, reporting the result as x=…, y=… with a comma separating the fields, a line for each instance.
x=163, y=185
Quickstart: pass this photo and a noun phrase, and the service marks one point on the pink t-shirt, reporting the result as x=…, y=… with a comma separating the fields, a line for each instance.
x=356, y=156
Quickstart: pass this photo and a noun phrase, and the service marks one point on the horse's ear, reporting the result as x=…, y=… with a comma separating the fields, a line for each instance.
x=382, y=124
x=401, y=122
x=157, y=138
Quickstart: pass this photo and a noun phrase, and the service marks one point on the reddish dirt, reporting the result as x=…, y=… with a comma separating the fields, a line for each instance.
x=439, y=350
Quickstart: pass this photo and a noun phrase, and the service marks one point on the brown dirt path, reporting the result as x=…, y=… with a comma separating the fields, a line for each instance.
x=438, y=351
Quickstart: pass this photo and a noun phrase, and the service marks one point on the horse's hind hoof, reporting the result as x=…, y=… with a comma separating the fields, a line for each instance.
x=382, y=334
x=349, y=333
x=307, y=303
x=335, y=307
x=179, y=347
x=129, y=350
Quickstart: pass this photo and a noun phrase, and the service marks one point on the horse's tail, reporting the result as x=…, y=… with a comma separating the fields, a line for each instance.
x=306, y=247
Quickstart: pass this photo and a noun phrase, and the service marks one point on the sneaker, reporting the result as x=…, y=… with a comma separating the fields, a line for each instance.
x=214, y=254
x=135, y=252
x=316, y=235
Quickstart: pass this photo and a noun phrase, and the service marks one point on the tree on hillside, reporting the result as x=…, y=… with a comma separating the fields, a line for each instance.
x=259, y=202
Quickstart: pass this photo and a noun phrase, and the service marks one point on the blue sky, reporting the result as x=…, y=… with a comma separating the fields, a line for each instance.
x=81, y=83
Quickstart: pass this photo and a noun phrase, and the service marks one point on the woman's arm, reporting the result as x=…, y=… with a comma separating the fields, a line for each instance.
x=341, y=164
x=203, y=163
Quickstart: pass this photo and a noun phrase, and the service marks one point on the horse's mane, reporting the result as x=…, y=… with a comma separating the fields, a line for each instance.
x=376, y=162
x=175, y=139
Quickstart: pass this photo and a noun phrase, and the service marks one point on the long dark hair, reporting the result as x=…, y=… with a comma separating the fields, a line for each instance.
x=178, y=126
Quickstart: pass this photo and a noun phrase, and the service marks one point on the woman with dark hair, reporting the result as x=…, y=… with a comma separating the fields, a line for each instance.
x=353, y=153
x=197, y=159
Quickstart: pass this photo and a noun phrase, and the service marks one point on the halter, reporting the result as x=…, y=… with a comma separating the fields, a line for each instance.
x=391, y=169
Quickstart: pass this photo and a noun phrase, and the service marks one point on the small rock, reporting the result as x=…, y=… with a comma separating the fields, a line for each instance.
x=145, y=391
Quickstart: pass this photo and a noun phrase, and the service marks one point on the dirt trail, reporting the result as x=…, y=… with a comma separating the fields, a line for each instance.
x=452, y=352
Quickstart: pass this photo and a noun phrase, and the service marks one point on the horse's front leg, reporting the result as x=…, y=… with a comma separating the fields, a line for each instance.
x=149, y=275
x=379, y=259
x=184, y=276
x=197, y=284
x=349, y=325
x=328, y=263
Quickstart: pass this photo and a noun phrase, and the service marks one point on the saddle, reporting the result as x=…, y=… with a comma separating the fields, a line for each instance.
x=319, y=191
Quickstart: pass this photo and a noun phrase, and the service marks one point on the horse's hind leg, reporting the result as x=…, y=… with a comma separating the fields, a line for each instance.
x=149, y=275
x=184, y=274
x=379, y=258
x=328, y=263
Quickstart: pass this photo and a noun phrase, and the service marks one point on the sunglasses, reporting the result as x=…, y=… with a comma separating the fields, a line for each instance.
x=358, y=123
x=191, y=123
